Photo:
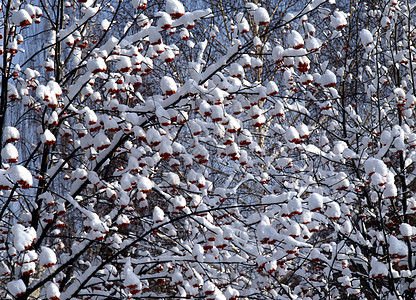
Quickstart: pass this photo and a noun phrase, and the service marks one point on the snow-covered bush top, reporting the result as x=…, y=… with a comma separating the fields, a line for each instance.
x=239, y=151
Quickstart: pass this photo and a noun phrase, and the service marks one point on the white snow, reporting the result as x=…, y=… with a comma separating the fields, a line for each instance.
x=165, y=21
x=277, y=54
x=96, y=65
x=101, y=141
x=168, y=85
x=333, y=210
x=124, y=63
x=10, y=153
x=23, y=237
x=397, y=248
x=145, y=184
x=90, y=117
x=261, y=16
x=158, y=215
x=179, y=202
x=52, y=291
x=292, y=135
x=378, y=269
x=21, y=18
x=48, y=138
x=312, y=43
x=10, y=134
x=315, y=202
x=22, y=176
x=406, y=230
x=16, y=287
x=272, y=88
x=295, y=40
x=47, y=257
x=366, y=37
x=390, y=191
x=174, y=8
x=172, y=179
x=139, y=4
x=338, y=20
x=328, y=79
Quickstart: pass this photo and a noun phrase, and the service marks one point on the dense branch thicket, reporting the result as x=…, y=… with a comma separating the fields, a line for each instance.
x=218, y=149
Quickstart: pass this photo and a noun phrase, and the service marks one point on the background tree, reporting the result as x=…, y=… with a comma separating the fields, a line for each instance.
x=165, y=150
